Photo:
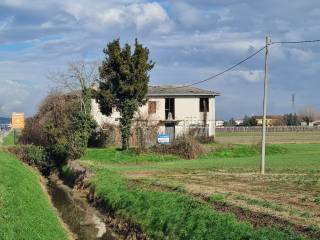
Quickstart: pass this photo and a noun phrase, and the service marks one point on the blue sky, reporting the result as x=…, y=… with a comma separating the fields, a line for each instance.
x=188, y=40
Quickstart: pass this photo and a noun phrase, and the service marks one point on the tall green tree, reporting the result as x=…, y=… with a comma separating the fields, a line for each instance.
x=249, y=121
x=123, y=83
x=290, y=120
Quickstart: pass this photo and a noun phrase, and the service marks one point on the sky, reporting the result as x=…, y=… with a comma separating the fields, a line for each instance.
x=188, y=40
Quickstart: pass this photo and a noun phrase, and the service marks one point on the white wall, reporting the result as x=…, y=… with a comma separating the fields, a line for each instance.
x=186, y=111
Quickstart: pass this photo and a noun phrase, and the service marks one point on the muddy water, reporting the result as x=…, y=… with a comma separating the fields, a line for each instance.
x=84, y=221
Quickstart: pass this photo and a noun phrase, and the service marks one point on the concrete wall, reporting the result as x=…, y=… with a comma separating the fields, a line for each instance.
x=187, y=112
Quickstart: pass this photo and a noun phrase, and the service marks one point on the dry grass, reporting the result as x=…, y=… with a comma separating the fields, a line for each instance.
x=186, y=147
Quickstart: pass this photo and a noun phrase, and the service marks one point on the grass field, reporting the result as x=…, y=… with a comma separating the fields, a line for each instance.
x=25, y=212
x=285, y=158
x=226, y=178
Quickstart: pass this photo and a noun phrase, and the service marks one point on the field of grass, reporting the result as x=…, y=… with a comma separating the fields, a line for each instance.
x=285, y=158
x=25, y=212
x=228, y=174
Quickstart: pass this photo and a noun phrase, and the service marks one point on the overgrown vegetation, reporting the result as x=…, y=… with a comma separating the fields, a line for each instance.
x=185, y=147
x=25, y=212
x=164, y=215
x=34, y=156
x=60, y=127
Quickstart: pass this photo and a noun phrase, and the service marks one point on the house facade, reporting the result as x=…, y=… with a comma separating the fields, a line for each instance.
x=175, y=110
x=272, y=120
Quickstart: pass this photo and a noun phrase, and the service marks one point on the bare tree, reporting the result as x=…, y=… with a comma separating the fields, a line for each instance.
x=80, y=76
x=309, y=114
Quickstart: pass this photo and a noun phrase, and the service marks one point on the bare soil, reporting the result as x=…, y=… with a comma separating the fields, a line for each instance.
x=285, y=200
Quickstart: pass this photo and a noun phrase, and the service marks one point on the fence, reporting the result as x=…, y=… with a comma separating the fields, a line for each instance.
x=144, y=132
x=270, y=129
x=5, y=127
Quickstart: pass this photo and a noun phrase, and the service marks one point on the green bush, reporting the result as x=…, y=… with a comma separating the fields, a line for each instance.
x=34, y=156
x=98, y=138
x=61, y=127
x=167, y=215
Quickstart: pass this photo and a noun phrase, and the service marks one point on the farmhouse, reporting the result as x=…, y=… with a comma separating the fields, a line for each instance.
x=272, y=120
x=174, y=110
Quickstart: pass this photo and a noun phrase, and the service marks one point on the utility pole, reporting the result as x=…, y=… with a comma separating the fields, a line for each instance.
x=265, y=99
x=293, y=104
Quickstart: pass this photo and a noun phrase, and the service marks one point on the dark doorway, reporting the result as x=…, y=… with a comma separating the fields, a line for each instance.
x=204, y=105
x=169, y=107
x=170, y=130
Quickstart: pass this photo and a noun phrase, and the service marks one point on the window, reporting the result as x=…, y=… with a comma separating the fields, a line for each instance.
x=204, y=104
x=169, y=107
x=152, y=107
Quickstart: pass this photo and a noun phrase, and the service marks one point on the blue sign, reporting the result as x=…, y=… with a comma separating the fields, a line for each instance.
x=163, y=138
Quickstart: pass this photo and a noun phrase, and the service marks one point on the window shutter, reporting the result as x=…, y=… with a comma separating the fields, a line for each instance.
x=152, y=107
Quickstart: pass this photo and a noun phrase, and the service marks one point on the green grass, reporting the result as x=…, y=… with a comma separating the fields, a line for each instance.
x=175, y=215
x=114, y=155
x=293, y=158
x=25, y=212
x=9, y=139
x=167, y=215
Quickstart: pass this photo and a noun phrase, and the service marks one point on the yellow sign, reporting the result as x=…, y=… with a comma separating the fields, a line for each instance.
x=17, y=120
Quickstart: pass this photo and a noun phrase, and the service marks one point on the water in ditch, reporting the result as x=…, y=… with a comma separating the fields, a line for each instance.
x=84, y=221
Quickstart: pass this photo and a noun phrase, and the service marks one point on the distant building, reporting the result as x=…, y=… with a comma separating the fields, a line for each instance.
x=272, y=120
x=173, y=109
x=219, y=123
x=239, y=122
x=314, y=123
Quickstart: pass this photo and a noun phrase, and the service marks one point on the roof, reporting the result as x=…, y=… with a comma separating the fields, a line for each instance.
x=174, y=90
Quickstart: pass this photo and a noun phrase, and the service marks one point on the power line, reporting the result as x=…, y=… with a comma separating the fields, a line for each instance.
x=224, y=71
x=246, y=59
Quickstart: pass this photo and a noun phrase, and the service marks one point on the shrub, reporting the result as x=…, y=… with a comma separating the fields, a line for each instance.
x=61, y=127
x=99, y=138
x=185, y=147
x=34, y=156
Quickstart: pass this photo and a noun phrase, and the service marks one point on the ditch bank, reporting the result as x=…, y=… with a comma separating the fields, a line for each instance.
x=87, y=216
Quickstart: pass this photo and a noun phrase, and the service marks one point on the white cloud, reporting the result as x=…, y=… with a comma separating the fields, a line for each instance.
x=301, y=55
x=187, y=14
x=138, y=15
x=247, y=75
x=217, y=40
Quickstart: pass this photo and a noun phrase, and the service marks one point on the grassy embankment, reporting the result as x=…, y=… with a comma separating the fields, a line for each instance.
x=25, y=211
x=179, y=216
x=9, y=139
